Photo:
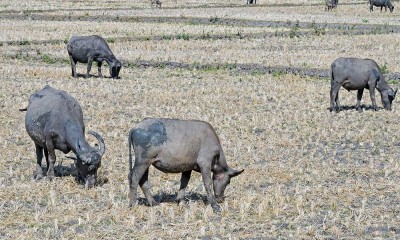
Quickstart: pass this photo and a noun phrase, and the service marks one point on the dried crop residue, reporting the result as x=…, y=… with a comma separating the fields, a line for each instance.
x=308, y=173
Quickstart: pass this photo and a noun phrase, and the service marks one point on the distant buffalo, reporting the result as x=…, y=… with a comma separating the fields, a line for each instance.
x=251, y=1
x=357, y=74
x=330, y=4
x=86, y=49
x=381, y=3
x=157, y=3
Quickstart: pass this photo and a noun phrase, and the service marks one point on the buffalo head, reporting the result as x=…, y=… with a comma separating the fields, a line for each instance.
x=221, y=180
x=89, y=160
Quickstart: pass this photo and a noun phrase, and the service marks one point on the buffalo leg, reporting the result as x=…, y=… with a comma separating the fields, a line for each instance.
x=359, y=96
x=99, y=69
x=89, y=66
x=205, y=169
x=145, y=186
x=372, y=95
x=46, y=154
x=136, y=173
x=52, y=157
x=185, y=177
x=38, y=174
x=73, y=66
x=335, y=96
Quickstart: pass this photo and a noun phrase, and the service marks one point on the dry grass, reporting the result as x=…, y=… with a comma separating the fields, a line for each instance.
x=43, y=30
x=310, y=174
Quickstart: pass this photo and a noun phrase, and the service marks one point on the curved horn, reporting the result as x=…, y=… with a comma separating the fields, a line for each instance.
x=102, y=146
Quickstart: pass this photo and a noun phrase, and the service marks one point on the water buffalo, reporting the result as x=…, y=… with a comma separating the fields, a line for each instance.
x=330, y=4
x=54, y=120
x=251, y=1
x=157, y=3
x=381, y=3
x=178, y=146
x=357, y=74
x=86, y=49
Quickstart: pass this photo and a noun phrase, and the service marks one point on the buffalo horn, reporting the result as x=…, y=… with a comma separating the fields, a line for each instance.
x=102, y=147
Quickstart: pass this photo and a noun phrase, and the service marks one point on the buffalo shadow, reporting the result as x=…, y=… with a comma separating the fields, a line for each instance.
x=71, y=170
x=81, y=75
x=353, y=107
x=171, y=198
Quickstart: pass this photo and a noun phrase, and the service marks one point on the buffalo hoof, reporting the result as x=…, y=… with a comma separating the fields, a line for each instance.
x=216, y=208
x=50, y=175
x=131, y=204
x=152, y=203
x=38, y=174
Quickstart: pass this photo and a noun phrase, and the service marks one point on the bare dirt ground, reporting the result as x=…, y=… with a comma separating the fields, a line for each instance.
x=309, y=173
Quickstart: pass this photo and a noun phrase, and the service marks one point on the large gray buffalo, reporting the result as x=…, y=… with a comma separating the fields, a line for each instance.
x=330, y=4
x=54, y=120
x=178, y=146
x=381, y=3
x=358, y=74
x=86, y=49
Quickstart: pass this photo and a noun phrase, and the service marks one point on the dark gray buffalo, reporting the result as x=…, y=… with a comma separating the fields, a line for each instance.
x=330, y=4
x=357, y=74
x=178, y=146
x=54, y=120
x=381, y=3
x=86, y=49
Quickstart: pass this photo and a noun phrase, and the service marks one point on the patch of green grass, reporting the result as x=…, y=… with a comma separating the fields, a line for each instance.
x=166, y=37
x=384, y=68
x=24, y=42
x=294, y=30
x=47, y=59
x=214, y=19
x=184, y=36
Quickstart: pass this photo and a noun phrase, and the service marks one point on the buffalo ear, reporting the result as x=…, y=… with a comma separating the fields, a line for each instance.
x=392, y=93
x=233, y=173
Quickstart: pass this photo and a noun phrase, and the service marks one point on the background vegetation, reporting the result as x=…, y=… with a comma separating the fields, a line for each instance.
x=257, y=73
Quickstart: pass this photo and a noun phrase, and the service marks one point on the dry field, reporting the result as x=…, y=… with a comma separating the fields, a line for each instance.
x=309, y=173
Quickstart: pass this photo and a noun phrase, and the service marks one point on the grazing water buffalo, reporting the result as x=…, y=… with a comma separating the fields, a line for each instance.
x=381, y=3
x=330, y=4
x=86, y=49
x=251, y=1
x=357, y=74
x=156, y=2
x=178, y=146
x=54, y=120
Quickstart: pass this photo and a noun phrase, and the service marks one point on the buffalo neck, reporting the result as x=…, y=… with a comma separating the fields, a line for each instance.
x=382, y=86
x=75, y=138
x=110, y=59
x=221, y=165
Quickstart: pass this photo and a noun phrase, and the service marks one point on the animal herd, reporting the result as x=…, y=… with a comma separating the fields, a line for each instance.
x=54, y=120
x=331, y=4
